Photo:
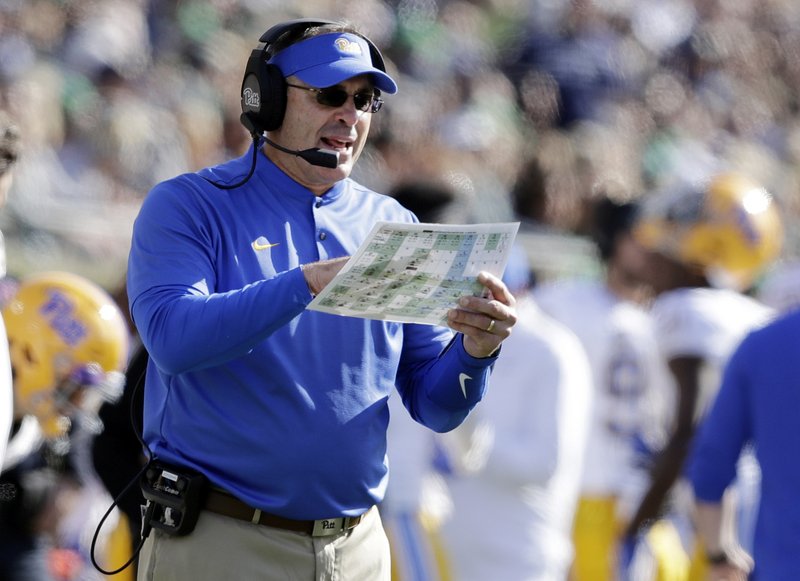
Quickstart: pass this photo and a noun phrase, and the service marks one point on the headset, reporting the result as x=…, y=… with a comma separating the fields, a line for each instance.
x=263, y=93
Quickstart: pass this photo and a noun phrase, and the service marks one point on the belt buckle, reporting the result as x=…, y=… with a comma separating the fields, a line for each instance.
x=325, y=527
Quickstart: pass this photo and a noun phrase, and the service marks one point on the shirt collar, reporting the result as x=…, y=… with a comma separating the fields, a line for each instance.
x=275, y=178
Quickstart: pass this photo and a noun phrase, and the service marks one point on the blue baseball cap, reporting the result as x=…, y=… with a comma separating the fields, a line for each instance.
x=328, y=59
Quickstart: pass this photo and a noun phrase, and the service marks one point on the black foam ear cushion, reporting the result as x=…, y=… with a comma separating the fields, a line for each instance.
x=263, y=95
x=273, y=94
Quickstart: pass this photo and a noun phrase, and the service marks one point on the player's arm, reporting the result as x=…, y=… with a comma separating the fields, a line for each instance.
x=669, y=463
x=711, y=467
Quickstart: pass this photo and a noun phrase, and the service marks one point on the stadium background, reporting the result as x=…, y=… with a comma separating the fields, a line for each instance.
x=527, y=108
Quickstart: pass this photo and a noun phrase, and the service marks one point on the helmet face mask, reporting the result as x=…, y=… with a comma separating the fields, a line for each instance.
x=729, y=229
x=68, y=344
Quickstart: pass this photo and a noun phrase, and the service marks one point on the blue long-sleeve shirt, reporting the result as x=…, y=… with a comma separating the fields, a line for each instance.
x=759, y=401
x=283, y=407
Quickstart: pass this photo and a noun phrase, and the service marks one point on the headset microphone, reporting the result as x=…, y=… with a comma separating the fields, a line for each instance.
x=314, y=156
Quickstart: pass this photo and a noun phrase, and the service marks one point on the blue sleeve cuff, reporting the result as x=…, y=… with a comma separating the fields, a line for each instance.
x=299, y=286
x=464, y=378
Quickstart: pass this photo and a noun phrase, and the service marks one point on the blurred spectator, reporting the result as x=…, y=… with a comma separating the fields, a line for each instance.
x=577, y=59
x=653, y=88
x=529, y=195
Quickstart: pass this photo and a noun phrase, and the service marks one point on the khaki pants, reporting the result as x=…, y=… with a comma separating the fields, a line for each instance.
x=225, y=549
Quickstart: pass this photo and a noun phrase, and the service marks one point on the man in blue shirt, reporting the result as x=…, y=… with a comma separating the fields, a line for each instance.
x=284, y=410
x=757, y=404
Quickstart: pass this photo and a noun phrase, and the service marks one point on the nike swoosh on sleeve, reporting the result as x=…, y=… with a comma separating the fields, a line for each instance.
x=462, y=379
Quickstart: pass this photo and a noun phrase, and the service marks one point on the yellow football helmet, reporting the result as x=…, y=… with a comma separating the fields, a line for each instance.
x=68, y=344
x=730, y=228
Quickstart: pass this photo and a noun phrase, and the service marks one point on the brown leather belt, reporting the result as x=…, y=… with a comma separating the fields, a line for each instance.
x=227, y=505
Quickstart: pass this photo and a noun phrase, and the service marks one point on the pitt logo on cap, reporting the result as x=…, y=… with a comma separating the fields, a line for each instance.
x=347, y=46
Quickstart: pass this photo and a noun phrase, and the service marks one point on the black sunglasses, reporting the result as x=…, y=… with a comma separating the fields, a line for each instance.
x=367, y=100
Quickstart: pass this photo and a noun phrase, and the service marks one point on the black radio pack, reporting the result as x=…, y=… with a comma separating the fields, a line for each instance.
x=174, y=495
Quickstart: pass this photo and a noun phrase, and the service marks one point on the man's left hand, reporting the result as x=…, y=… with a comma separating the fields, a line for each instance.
x=485, y=321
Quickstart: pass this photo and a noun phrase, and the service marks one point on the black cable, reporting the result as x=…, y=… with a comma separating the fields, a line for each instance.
x=145, y=532
x=146, y=527
x=142, y=539
x=256, y=143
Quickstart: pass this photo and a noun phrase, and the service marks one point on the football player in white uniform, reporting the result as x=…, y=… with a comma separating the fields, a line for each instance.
x=517, y=460
x=627, y=377
x=708, y=243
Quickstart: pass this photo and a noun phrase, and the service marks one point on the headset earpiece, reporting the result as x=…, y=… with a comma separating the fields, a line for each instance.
x=263, y=92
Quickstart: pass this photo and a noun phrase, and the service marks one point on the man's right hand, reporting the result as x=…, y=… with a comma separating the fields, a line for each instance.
x=319, y=274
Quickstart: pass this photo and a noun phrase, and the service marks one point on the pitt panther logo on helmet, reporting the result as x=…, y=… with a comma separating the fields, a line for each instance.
x=60, y=312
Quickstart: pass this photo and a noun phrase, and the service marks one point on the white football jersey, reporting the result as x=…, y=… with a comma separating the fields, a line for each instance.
x=521, y=454
x=630, y=381
x=707, y=323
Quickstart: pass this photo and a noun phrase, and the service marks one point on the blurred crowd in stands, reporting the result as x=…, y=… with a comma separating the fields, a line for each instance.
x=528, y=110
x=524, y=107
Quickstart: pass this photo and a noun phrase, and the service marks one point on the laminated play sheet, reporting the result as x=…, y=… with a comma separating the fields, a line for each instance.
x=415, y=273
